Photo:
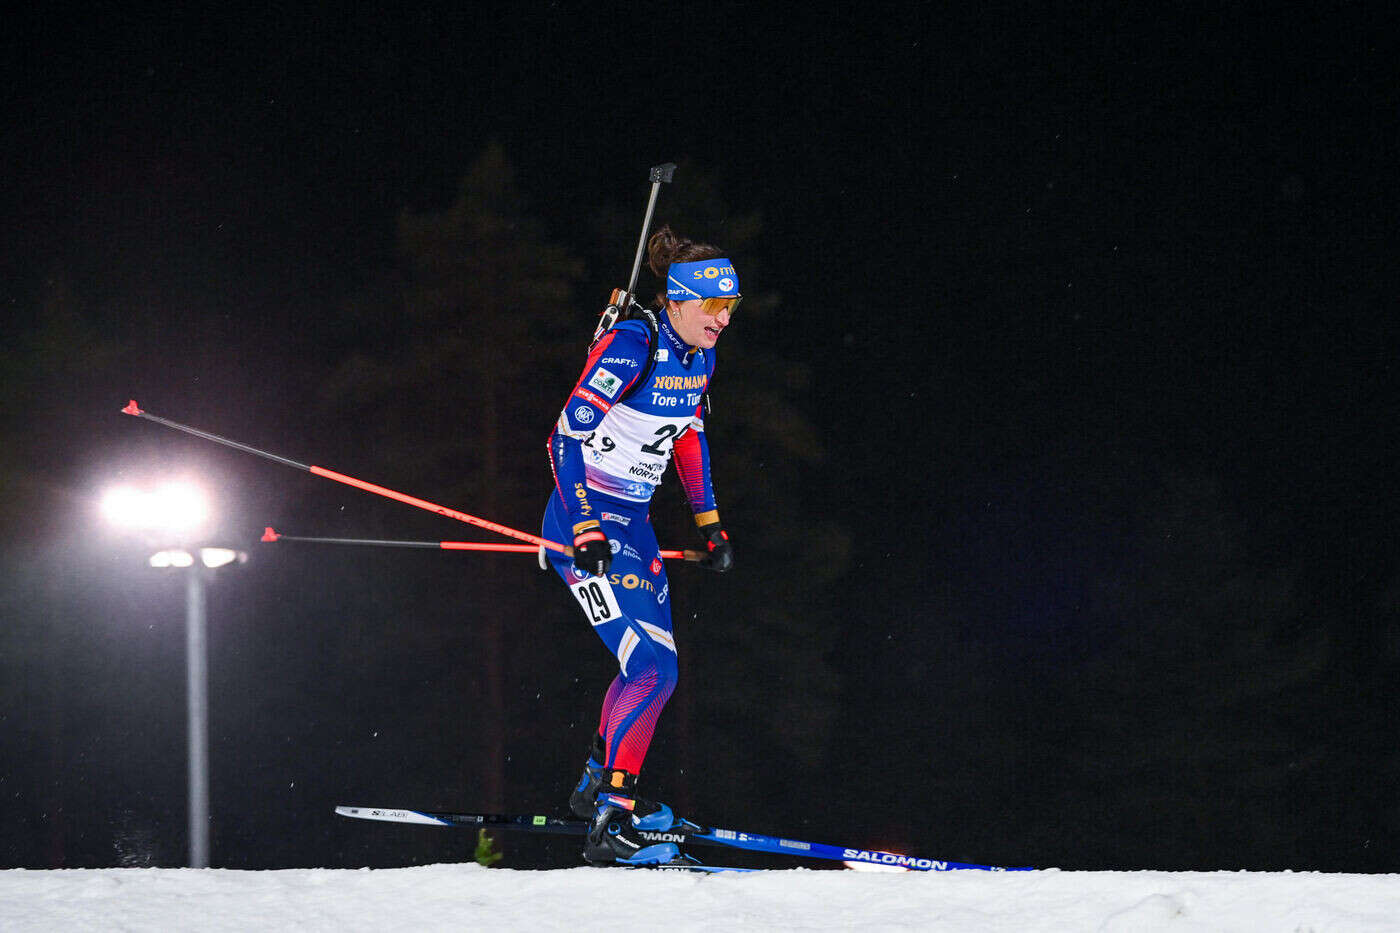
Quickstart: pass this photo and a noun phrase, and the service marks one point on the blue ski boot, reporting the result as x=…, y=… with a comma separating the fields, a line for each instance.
x=618, y=834
x=583, y=800
x=586, y=791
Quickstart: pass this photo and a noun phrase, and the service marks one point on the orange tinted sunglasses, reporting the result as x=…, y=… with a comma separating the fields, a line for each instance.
x=713, y=306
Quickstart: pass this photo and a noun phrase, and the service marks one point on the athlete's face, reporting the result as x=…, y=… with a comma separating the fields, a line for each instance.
x=695, y=325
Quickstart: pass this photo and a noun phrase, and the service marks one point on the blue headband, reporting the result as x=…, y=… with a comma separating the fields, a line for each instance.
x=708, y=278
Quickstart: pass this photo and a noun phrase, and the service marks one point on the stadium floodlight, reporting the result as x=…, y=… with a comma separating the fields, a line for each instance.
x=213, y=557
x=175, y=557
x=171, y=508
x=179, y=513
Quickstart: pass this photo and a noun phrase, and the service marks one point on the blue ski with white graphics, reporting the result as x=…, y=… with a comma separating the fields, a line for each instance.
x=683, y=833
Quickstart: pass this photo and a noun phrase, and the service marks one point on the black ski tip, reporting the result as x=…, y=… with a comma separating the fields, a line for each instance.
x=662, y=173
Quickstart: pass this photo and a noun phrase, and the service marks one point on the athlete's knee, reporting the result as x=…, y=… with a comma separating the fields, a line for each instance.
x=648, y=651
x=667, y=670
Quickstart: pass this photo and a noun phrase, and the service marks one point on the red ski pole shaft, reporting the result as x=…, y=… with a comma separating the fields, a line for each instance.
x=439, y=509
x=133, y=409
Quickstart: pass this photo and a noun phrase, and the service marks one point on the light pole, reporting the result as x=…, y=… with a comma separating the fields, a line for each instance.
x=197, y=705
x=180, y=511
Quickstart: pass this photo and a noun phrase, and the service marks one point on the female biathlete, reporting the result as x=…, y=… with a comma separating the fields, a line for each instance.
x=625, y=418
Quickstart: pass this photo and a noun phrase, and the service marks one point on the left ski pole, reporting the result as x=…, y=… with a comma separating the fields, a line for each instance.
x=270, y=535
x=133, y=409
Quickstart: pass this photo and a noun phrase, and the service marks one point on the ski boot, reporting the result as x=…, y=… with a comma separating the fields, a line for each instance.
x=583, y=801
x=586, y=791
x=615, y=837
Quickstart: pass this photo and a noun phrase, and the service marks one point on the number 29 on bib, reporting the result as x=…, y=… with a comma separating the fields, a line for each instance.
x=596, y=597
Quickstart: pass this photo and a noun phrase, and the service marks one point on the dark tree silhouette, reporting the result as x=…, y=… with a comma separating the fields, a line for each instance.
x=453, y=403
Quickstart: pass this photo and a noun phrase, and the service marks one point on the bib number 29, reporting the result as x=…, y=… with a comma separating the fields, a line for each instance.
x=596, y=597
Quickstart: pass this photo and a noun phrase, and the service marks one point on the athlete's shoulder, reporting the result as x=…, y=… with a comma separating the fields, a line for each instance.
x=628, y=342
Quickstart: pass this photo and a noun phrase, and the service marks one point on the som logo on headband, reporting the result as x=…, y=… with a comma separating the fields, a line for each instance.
x=712, y=272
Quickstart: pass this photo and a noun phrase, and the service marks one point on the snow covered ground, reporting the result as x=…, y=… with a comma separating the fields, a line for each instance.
x=466, y=897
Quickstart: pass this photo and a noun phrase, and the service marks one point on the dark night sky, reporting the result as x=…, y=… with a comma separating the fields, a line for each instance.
x=1101, y=355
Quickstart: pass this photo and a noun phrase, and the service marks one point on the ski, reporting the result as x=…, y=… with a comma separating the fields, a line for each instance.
x=692, y=867
x=683, y=833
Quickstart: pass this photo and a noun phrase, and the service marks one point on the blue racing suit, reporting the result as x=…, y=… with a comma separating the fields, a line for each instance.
x=609, y=451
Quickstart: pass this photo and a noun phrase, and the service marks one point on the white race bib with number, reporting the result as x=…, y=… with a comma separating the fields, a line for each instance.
x=596, y=597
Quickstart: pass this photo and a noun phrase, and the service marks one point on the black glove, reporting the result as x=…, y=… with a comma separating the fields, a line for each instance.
x=721, y=556
x=592, y=552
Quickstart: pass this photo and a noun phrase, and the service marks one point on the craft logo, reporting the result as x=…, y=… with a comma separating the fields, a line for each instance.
x=665, y=592
x=605, y=382
x=675, y=341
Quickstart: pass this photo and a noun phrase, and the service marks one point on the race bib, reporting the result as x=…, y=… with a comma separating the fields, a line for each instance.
x=595, y=595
